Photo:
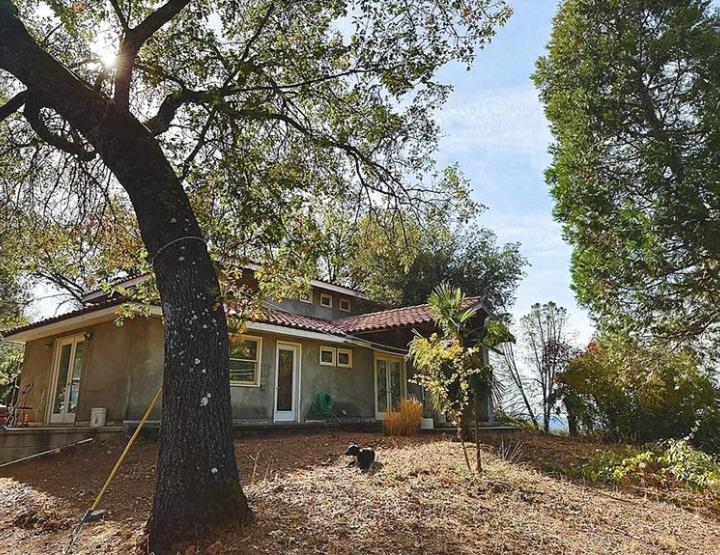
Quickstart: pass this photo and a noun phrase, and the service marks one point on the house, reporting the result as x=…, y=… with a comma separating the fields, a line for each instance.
x=335, y=341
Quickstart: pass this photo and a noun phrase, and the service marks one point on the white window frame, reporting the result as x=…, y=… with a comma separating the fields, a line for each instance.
x=294, y=414
x=403, y=378
x=326, y=296
x=350, y=358
x=349, y=304
x=74, y=340
x=258, y=363
x=308, y=299
x=332, y=350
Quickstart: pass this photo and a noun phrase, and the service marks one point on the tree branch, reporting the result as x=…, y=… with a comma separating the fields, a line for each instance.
x=120, y=15
x=32, y=115
x=132, y=42
x=13, y=105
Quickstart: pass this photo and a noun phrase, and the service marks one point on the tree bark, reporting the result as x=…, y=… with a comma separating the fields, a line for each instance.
x=197, y=484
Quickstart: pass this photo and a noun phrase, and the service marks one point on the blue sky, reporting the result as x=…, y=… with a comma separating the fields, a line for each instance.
x=494, y=126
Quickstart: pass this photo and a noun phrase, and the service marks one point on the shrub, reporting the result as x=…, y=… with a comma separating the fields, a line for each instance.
x=674, y=461
x=644, y=393
x=404, y=420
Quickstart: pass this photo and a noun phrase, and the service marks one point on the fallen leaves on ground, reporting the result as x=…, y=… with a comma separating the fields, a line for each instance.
x=418, y=498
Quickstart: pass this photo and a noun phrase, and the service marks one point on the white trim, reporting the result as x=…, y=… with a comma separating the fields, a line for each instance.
x=403, y=379
x=282, y=330
x=348, y=301
x=319, y=336
x=58, y=344
x=309, y=299
x=294, y=415
x=81, y=320
x=332, y=350
x=349, y=353
x=251, y=266
x=338, y=289
x=322, y=284
x=326, y=296
x=258, y=368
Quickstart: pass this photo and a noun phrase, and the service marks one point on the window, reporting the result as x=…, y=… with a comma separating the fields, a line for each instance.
x=326, y=300
x=344, y=358
x=345, y=305
x=327, y=356
x=245, y=360
x=307, y=297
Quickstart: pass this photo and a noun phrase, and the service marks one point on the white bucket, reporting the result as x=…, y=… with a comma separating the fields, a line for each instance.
x=97, y=417
x=427, y=424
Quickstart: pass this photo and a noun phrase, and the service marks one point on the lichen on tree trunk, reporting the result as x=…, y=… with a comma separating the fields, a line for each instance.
x=197, y=483
x=197, y=479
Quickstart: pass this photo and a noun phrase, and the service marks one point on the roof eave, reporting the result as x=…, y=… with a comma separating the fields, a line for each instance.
x=33, y=332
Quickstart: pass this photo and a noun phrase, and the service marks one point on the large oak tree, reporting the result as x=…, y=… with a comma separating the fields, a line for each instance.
x=242, y=106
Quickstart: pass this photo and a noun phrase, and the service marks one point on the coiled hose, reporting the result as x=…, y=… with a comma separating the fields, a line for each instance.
x=324, y=404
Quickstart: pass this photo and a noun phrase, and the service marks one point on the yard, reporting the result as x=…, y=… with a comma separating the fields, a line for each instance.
x=418, y=498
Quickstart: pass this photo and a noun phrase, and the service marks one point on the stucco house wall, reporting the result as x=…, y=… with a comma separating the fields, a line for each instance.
x=111, y=356
x=122, y=371
x=351, y=388
x=122, y=365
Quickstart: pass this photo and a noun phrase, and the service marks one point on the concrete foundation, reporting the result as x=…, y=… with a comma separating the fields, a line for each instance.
x=17, y=443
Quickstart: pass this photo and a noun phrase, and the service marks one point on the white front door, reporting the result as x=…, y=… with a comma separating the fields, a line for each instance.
x=286, y=381
x=388, y=384
x=67, y=368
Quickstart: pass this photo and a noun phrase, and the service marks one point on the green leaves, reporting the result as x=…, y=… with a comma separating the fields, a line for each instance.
x=645, y=392
x=449, y=309
x=266, y=109
x=631, y=93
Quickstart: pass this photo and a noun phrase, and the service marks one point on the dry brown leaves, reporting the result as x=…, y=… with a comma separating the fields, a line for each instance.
x=419, y=498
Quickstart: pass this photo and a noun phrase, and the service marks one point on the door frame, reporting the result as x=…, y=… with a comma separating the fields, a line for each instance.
x=57, y=353
x=294, y=414
x=403, y=378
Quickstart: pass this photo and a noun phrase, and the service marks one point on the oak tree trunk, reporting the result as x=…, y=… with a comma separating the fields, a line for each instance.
x=197, y=484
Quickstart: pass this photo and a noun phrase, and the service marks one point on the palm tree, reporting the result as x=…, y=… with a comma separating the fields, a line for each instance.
x=447, y=307
x=451, y=314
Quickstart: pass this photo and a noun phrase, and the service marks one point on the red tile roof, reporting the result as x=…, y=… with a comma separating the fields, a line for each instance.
x=279, y=317
x=396, y=318
x=374, y=321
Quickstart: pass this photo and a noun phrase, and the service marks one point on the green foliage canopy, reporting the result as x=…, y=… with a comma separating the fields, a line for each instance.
x=631, y=90
x=399, y=258
x=266, y=109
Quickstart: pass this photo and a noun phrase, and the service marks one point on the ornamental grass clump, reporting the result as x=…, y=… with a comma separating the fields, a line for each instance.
x=404, y=419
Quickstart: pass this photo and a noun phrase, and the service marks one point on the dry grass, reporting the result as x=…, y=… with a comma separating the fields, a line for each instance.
x=405, y=420
x=419, y=498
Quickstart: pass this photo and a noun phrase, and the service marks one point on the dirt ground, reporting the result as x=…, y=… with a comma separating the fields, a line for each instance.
x=418, y=498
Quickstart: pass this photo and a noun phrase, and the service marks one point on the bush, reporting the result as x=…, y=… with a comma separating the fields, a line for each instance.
x=644, y=393
x=674, y=461
x=405, y=419
x=11, y=359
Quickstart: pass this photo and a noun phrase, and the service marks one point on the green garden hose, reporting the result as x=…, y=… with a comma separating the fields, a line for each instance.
x=324, y=404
